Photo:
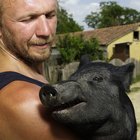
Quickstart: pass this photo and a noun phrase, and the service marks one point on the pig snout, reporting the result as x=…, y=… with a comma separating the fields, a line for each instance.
x=61, y=96
x=47, y=95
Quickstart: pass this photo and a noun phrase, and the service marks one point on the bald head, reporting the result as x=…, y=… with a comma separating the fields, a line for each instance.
x=0, y=13
x=1, y=1
x=7, y=3
x=4, y=4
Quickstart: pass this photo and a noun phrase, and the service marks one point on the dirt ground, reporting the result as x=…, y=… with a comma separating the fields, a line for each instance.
x=135, y=98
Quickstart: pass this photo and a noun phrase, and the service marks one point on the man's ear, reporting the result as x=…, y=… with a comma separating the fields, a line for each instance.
x=124, y=74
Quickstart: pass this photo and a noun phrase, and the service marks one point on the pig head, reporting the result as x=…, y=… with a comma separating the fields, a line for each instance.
x=93, y=102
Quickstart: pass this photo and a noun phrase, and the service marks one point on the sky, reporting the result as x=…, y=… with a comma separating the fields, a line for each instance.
x=80, y=8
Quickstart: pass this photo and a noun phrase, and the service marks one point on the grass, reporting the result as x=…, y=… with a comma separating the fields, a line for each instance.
x=137, y=79
x=135, y=89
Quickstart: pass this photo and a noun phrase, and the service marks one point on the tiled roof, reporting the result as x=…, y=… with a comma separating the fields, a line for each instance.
x=106, y=35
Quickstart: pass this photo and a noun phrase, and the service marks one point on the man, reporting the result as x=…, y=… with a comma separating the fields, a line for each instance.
x=27, y=29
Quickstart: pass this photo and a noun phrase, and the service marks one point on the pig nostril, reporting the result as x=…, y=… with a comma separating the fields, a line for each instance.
x=52, y=93
x=47, y=92
x=43, y=94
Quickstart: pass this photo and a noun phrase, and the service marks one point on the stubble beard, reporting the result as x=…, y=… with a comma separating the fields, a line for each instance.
x=21, y=52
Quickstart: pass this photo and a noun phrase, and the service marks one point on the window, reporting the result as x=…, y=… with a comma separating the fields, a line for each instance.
x=136, y=35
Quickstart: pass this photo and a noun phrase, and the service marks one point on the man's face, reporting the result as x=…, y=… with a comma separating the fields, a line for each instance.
x=28, y=28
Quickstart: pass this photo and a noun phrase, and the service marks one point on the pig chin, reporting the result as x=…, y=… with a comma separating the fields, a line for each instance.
x=68, y=111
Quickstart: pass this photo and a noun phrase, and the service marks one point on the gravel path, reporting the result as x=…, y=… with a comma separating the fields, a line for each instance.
x=135, y=98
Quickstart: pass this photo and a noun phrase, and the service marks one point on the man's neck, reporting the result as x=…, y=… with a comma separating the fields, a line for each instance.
x=11, y=63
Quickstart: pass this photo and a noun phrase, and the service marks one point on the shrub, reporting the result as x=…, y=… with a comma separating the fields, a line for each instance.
x=73, y=47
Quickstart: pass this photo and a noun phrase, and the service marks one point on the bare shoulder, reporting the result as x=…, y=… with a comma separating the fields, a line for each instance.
x=19, y=95
x=20, y=89
x=21, y=106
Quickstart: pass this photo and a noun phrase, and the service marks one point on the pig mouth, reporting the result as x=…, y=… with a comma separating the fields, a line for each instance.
x=69, y=105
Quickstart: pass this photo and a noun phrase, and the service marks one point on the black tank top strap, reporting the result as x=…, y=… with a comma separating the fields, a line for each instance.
x=8, y=77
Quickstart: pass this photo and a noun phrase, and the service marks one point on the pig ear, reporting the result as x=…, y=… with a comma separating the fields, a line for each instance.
x=126, y=75
x=85, y=59
x=127, y=68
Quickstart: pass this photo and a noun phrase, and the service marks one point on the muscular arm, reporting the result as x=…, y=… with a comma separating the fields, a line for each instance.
x=23, y=117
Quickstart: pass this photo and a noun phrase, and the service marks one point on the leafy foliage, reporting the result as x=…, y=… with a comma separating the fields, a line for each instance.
x=66, y=22
x=72, y=47
x=112, y=14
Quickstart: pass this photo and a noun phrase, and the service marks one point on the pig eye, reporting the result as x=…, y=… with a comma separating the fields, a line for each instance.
x=98, y=79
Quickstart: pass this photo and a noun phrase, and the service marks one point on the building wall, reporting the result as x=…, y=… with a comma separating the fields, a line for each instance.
x=135, y=50
x=133, y=43
x=126, y=38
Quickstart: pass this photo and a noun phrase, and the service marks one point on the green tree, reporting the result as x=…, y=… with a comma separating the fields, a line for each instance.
x=66, y=22
x=72, y=47
x=112, y=14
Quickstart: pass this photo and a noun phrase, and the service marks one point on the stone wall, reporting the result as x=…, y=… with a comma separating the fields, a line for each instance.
x=55, y=73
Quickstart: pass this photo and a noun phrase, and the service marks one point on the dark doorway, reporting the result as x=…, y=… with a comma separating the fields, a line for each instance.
x=121, y=51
